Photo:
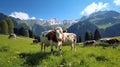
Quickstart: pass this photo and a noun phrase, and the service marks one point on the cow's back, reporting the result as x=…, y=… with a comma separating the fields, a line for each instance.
x=48, y=36
x=69, y=38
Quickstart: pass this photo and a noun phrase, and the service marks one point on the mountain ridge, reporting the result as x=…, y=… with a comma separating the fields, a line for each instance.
x=107, y=20
x=101, y=20
x=103, y=17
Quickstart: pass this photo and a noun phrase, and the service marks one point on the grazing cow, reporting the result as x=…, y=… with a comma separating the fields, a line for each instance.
x=114, y=42
x=109, y=42
x=12, y=36
x=35, y=41
x=104, y=42
x=52, y=37
x=89, y=43
x=69, y=39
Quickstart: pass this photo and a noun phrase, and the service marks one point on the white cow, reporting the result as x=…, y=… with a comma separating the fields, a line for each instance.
x=12, y=36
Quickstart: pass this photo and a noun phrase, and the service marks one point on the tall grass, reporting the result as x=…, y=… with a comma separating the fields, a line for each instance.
x=20, y=52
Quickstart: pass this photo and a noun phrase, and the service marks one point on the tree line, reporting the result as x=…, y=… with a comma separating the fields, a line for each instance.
x=90, y=36
x=7, y=27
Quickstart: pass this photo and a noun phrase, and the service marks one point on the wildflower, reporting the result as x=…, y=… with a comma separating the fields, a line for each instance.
x=17, y=52
x=69, y=64
x=8, y=61
x=61, y=65
x=78, y=61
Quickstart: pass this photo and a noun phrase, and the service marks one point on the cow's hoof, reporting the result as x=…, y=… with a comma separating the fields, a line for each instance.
x=52, y=54
x=61, y=55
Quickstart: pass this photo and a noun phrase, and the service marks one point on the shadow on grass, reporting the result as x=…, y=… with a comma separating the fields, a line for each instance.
x=33, y=59
x=102, y=58
x=4, y=48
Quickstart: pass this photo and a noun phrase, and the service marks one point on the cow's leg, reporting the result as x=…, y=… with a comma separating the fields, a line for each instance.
x=42, y=47
x=60, y=48
x=114, y=45
x=75, y=44
x=75, y=47
x=51, y=47
x=72, y=46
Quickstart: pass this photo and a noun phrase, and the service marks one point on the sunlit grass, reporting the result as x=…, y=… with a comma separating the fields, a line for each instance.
x=20, y=52
x=104, y=26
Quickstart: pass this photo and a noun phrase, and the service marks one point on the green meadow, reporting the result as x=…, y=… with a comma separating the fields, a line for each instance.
x=20, y=52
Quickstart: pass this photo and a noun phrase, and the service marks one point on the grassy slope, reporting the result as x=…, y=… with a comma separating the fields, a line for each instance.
x=21, y=53
x=104, y=26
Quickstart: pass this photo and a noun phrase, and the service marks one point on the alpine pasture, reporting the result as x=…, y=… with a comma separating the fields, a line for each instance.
x=20, y=52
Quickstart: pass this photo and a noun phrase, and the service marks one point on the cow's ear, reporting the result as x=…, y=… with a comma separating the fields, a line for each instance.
x=64, y=31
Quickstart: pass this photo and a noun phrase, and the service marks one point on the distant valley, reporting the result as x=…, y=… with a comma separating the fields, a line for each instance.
x=107, y=22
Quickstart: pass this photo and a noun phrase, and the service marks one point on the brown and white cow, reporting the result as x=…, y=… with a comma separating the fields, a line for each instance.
x=57, y=37
x=89, y=43
x=69, y=39
x=52, y=37
x=109, y=42
x=35, y=41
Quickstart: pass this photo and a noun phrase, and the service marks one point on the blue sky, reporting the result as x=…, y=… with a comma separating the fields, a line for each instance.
x=60, y=9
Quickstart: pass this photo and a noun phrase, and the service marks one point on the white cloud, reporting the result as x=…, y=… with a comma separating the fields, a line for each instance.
x=21, y=15
x=41, y=19
x=33, y=18
x=117, y=2
x=94, y=7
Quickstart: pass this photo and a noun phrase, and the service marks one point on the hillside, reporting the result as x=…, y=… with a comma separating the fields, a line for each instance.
x=107, y=22
x=2, y=16
x=81, y=27
x=112, y=30
x=21, y=52
x=34, y=25
x=103, y=19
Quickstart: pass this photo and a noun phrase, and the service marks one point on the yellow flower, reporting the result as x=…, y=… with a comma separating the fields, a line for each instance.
x=17, y=52
x=8, y=61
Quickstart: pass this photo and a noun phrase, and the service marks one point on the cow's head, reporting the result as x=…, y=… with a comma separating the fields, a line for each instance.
x=59, y=32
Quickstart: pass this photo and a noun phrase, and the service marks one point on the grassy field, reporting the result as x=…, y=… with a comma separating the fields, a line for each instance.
x=20, y=52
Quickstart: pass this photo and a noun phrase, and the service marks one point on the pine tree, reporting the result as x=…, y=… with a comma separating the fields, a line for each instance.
x=79, y=39
x=0, y=28
x=21, y=31
x=4, y=27
x=88, y=35
x=91, y=36
x=97, y=35
x=16, y=31
x=10, y=25
x=26, y=33
x=31, y=35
